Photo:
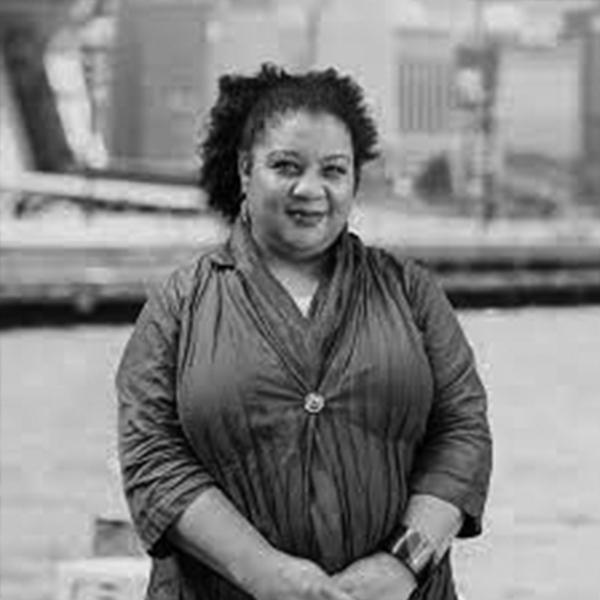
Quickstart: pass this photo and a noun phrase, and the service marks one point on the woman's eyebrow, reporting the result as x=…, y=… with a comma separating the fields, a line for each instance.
x=340, y=156
x=285, y=153
x=282, y=153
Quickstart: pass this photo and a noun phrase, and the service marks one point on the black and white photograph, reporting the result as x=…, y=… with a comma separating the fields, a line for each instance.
x=299, y=299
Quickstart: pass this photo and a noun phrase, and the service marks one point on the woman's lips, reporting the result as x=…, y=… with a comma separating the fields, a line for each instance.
x=306, y=218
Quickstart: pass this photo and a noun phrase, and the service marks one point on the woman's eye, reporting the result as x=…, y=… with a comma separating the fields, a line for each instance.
x=335, y=171
x=287, y=168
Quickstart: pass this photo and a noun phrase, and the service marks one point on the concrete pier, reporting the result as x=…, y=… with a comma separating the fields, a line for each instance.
x=85, y=262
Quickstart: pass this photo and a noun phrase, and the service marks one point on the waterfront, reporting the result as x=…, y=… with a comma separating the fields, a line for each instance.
x=540, y=366
x=89, y=262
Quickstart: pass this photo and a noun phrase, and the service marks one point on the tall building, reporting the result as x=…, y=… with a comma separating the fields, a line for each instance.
x=584, y=26
x=538, y=103
x=160, y=83
x=424, y=85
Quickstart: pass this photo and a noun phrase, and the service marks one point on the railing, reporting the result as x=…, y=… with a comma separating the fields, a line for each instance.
x=105, y=193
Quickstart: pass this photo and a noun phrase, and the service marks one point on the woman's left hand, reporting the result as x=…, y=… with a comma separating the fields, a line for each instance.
x=377, y=577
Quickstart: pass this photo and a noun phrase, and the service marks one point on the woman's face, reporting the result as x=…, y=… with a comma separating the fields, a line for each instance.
x=299, y=184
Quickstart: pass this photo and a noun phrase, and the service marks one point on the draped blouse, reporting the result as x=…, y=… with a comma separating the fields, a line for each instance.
x=317, y=428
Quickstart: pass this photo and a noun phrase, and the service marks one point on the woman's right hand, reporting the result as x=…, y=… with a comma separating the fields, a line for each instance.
x=286, y=577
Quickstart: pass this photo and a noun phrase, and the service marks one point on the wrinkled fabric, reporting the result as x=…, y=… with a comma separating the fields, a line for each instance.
x=212, y=390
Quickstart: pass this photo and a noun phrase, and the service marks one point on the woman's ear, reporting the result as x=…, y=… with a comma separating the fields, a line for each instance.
x=244, y=169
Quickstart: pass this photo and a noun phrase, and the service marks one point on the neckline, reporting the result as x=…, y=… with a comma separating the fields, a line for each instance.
x=304, y=304
x=306, y=344
x=249, y=261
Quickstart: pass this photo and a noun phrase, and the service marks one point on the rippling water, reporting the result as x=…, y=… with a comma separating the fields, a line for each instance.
x=541, y=367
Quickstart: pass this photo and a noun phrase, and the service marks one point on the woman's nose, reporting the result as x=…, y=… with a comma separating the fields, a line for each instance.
x=309, y=186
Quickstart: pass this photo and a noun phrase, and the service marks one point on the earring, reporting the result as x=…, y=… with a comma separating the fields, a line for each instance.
x=244, y=213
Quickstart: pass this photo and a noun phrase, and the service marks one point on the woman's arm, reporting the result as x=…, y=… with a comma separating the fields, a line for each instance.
x=212, y=530
x=453, y=463
x=173, y=499
x=382, y=576
x=161, y=475
x=450, y=478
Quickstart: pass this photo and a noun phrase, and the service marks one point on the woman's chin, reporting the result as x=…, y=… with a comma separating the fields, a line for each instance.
x=309, y=244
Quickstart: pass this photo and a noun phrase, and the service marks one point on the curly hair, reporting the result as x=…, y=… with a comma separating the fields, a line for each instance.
x=246, y=104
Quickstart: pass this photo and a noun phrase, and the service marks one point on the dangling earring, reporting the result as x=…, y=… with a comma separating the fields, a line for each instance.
x=244, y=212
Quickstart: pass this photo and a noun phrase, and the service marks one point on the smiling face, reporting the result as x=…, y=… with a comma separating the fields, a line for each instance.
x=299, y=184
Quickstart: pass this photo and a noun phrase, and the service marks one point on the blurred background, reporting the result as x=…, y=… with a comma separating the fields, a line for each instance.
x=489, y=114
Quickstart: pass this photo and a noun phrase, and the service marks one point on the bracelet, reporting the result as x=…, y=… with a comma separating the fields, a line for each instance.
x=415, y=552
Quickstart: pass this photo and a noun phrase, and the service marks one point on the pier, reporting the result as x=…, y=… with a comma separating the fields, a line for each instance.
x=104, y=258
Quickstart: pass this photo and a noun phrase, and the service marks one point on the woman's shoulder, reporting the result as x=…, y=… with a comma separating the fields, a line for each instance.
x=395, y=262
x=181, y=282
x=415, y=281
x=404, y=274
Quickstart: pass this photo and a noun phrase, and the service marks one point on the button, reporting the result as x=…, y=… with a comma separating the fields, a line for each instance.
x=314, y=403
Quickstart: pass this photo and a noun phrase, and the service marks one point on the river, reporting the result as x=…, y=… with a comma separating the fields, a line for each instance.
x=541, y=368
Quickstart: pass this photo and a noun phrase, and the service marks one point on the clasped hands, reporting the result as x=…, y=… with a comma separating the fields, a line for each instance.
x=376, y=577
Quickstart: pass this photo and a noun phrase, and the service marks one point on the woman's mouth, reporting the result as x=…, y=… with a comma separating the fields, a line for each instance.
x=306, y=218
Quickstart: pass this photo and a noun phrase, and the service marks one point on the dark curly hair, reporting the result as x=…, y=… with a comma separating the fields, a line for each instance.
x=246, y=104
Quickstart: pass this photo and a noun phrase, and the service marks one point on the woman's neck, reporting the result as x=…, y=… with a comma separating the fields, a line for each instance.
x=313, y=268
x=300, y=277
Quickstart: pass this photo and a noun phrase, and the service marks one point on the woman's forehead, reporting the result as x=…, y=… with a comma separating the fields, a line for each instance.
x=303, y=130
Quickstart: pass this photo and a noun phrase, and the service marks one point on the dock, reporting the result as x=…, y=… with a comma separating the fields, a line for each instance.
x=87, y=261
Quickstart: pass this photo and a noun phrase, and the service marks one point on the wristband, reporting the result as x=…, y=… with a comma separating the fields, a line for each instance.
x=415, y=552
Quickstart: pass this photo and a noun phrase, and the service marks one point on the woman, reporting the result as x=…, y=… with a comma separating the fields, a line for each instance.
x=300, y=416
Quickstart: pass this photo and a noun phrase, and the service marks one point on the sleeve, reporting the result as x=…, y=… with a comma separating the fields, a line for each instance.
x=161, y=474
x=455, y=458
